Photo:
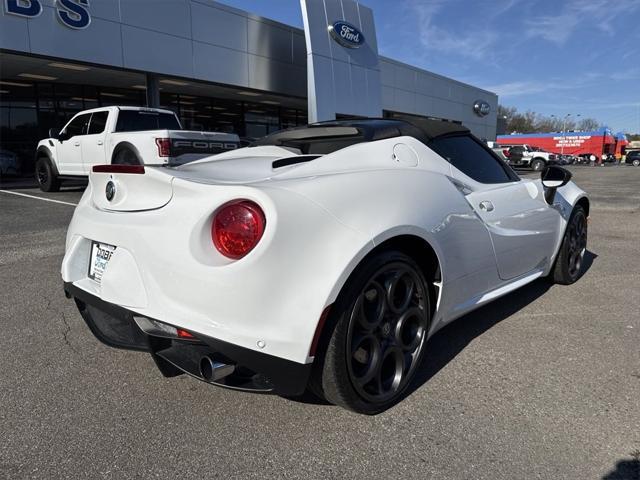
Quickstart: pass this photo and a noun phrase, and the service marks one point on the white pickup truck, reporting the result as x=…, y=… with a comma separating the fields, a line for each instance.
x=526, y=156
x=122, y=135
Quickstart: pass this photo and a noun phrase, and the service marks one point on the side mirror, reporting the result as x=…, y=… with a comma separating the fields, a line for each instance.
x=54, y=133
x=554, y=177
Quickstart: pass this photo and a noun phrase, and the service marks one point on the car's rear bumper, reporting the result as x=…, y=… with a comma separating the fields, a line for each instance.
x=115, y=326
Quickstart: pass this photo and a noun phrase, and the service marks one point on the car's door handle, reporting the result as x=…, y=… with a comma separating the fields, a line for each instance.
x=99, y=142
x=77, y=144
x=487, y=206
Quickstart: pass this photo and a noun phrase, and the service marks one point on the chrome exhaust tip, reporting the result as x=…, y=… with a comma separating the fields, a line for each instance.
x=213, y=371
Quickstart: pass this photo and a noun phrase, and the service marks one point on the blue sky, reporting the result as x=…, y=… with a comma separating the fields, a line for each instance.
x=552, y=57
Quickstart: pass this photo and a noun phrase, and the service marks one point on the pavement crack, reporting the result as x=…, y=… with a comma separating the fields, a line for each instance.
x=66, y=332
x=67, y=326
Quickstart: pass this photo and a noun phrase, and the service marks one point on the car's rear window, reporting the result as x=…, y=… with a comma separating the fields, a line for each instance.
x=472, y=158
x=139, y=120
x=315, y=140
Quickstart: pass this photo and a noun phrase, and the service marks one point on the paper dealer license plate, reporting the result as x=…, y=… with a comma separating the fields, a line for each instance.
x=100, y=255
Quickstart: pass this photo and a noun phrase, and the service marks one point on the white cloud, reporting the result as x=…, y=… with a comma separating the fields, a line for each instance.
x=529, y=87
x=514, y=89
x=518, y=88
x=477, y=43
x=612, y=105
x=580, y=16
x=631, y=74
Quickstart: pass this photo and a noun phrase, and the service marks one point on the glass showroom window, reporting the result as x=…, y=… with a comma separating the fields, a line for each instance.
x=261, y=119
x=195, y=112
x=108, y=96
x=228, y=116
x=18, y=130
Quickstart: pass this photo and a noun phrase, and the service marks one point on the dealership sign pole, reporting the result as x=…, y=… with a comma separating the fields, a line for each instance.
x=343, y=69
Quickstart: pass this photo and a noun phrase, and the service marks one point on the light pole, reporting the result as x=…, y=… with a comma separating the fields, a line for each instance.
x=504, y=120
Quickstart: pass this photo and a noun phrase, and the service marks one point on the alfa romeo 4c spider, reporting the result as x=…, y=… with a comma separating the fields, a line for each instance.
x=320, y=258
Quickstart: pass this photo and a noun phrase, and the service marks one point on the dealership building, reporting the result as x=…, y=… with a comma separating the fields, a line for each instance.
x=217, y=67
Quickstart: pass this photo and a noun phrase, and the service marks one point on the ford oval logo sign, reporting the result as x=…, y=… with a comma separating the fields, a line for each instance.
x=481, y=108
x=346, y=34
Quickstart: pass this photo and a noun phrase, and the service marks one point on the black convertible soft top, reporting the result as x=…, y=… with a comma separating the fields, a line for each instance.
x=328, y=137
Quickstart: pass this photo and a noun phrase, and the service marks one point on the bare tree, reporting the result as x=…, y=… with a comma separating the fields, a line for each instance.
x=532, y=122
x=587, y=124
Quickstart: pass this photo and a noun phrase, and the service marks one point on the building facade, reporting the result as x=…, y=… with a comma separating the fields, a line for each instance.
x=217, y=67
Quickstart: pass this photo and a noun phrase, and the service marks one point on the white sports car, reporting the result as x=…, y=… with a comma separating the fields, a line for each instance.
x=321, y=257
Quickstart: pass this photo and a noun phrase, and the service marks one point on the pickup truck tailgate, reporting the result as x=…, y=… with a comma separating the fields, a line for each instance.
x=187, y=146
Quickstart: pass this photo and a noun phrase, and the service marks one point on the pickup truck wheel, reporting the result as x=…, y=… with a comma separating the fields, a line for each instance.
x=537, y=164
x=125, y=156
x=47, y=179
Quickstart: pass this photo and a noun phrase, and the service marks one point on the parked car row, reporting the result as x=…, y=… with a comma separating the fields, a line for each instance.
x=535, y=158
x=590, y=159
x=633, y=158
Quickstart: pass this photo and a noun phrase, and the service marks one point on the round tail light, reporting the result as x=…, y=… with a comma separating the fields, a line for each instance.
x=237, y=228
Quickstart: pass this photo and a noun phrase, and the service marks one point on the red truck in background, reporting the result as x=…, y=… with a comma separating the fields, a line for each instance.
x=598, y=142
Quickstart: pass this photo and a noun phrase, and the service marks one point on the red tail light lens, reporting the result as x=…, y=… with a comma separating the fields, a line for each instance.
x=505, y=152
x=164, y=147
x=237, y=228
x=183, y=333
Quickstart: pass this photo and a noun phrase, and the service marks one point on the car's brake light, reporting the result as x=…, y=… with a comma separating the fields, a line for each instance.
x=118, y=169
x=160, y=329
x=505, y=152
x=183, y=333
x=164, y=147
x=237, y=228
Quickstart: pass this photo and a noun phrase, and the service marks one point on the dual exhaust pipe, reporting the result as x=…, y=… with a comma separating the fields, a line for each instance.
x=214, y=371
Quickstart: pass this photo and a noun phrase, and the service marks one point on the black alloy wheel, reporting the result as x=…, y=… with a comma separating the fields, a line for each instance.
x=577, y=231
x=570, y=260
x=386, y=333
x=42, y=173
x=383, y=319
x=47, y=180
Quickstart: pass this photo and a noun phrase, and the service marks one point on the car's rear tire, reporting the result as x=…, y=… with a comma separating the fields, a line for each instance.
x=570, y=260
x=48, y=181
x=378, y=330
x=636, y=163
x=537, y=164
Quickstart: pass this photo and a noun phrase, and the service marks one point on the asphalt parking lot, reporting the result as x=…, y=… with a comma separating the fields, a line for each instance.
x=544, y=383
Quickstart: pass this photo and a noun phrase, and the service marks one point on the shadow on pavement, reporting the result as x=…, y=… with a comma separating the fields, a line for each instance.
x=627, y=469
x=452, y=339
x=447, y=343
x=29, y=186
x=24, y=183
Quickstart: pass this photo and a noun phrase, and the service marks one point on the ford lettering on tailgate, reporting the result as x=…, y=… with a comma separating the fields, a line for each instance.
x=181, y=147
